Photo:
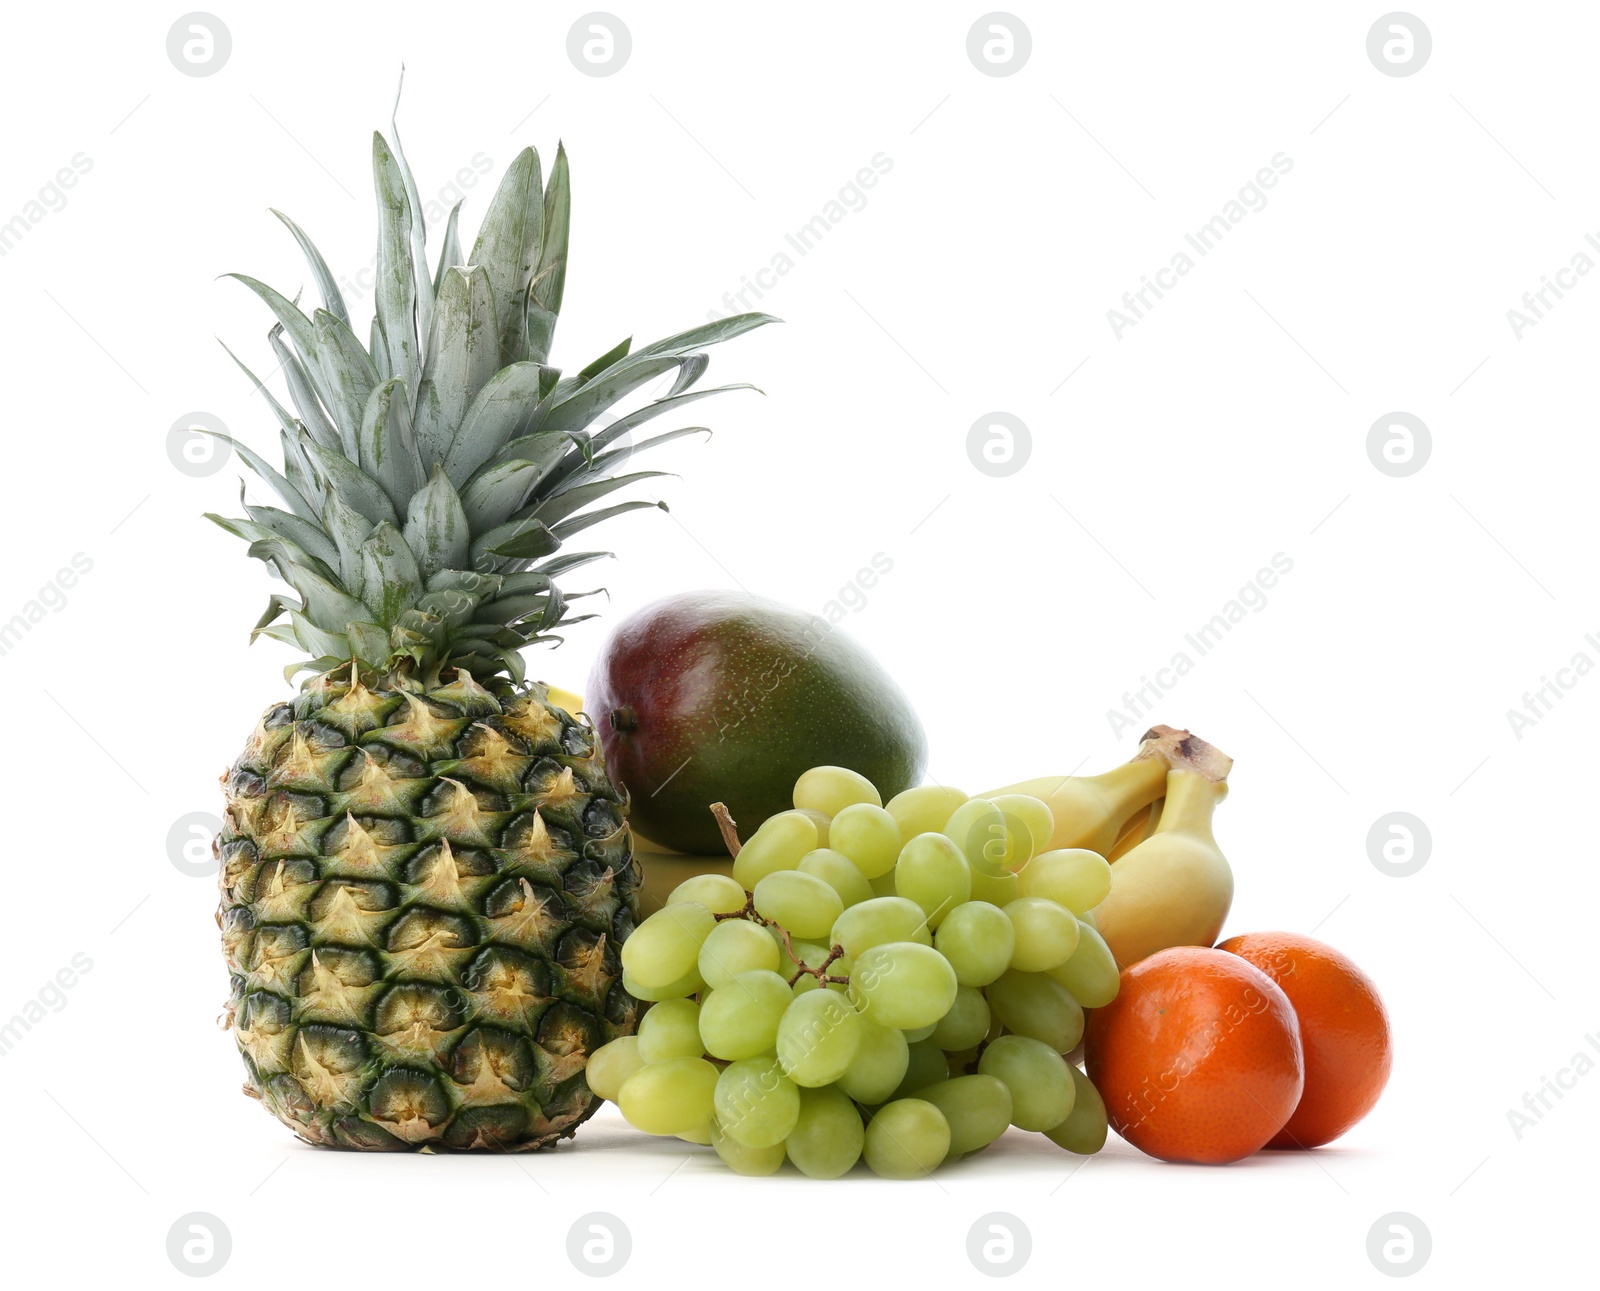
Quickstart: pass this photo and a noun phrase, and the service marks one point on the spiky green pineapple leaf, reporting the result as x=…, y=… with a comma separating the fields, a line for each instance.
x=501, y=411
x=492, y=496
x=268, y=545
x=615, y=354
x=396, y=295
x=388, y=446
x=327, y=288
x=577, y=496
x=391, y=582
x=285, y=421
x=577, y=524
x=507, y=246
x=347, y=374
x=348, y=529
x=463, y=356
x=617, y=457
x=450, y=256
x=312, y=639
x=437, y=529
x=301, y=393
x=694, y=367
x=550, y=275
x=285, y=525
x=712, y=333
x=327, y=604
x=358, y=490
x=302, y=334
x=545, y=448
x=583, y=405
x=290, y=496
x=297, y=467
x=419, y=227
x=518, y=540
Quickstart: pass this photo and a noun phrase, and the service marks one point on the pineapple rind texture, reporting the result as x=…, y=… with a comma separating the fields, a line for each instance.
x=424, y=892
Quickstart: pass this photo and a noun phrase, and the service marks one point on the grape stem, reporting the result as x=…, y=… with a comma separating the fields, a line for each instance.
x=820, y=972
x=730, y=831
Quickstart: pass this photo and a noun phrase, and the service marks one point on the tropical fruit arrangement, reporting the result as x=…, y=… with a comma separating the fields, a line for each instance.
x=443, y=924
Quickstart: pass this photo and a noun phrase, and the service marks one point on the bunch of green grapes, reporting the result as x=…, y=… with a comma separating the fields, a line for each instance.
x=897, y=983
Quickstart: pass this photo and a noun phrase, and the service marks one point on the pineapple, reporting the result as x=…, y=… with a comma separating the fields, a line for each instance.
x=425, y=872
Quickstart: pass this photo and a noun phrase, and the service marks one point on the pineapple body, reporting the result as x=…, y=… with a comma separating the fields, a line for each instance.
x=423, y=895
x=426, y=874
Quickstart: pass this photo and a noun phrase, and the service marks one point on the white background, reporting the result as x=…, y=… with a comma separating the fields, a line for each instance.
x=1228, y=425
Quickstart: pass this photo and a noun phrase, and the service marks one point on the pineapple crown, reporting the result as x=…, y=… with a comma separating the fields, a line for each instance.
x=433, y=476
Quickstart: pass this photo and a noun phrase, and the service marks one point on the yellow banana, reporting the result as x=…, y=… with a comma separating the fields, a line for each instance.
x=1173, y=889
x=1093, y=811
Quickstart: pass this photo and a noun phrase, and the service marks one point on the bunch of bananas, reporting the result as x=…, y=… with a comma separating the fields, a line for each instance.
x=1151, y=817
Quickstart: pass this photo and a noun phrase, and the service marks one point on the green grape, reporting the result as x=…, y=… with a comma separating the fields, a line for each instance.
x=925, y=1065
x=869, y=836
x=1041, y=1090
x=879, y=1065
x=701, y=1134
x=610, y=1065
x=879, y=921
x=778, y=845
x=906, y=1139
x=995, y=889
x=1047, y=934
x=689, y=984
x=902, y=984
x=1091, y=974
x=925, y=809
x=666, y=946
x=883, y=885
x=671, y=1097
x=671, y=1029
x=1033, y=815
x=823, y=823
x=1086, y=919
x=741, y=1020
x=932, y=872
x=918, y=1034
x=818, y=1038
x=736, y=946
x=978, y=940
x=1071, y=876
x=831, y=789
x=826, y=1141
x=839, y=872
x=966, y=1023
x=756, y=1103
x=743, y=1160
x=719, y=893
x=978, y=1109
x=1084, y=1130
x=996, y=845
x=802, y=903
x=1035, y=1004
